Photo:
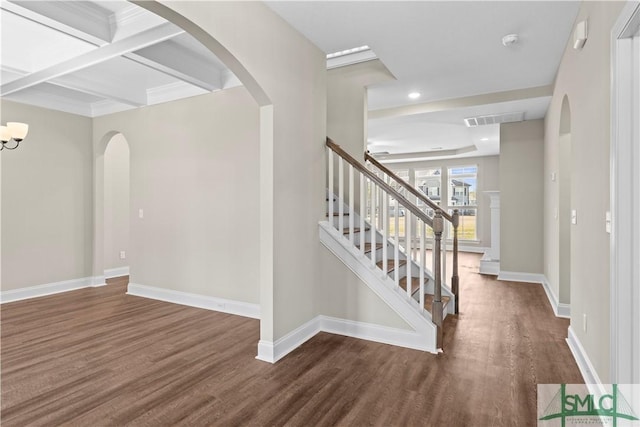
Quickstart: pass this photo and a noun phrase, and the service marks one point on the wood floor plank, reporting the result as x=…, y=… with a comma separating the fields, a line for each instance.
x=99, y=357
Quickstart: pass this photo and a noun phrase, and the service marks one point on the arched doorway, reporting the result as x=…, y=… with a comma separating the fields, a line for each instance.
x=116, y=207
x=564, y=204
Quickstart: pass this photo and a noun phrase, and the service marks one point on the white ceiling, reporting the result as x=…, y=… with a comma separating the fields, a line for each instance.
x=98, y=57
x=444, y=50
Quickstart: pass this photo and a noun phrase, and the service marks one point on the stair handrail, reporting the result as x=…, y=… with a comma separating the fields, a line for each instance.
x=380, y=182
x=410, y=188
x=454, y=219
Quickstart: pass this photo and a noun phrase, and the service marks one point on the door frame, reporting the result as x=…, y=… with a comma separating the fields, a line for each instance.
x=625, y=197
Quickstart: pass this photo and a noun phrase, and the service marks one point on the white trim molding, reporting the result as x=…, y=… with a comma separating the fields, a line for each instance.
x=514, y=276
x=559, y=309
x=625, y=197
x=48, y=289
x=239, y=308
x=585, y=366
x=272, y=352
x=116, y=272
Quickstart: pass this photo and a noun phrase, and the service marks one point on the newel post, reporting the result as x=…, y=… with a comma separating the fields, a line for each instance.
x=437, y=314
x=455, y=279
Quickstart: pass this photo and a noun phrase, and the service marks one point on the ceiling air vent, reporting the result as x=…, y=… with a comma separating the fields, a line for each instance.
x=494, y=119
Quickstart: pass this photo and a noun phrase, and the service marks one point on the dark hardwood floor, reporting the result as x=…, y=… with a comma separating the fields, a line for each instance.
x=98, y=357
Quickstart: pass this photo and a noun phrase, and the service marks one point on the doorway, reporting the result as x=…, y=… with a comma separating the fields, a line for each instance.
x=564, y=205
x=625, y=197
x=116, y=207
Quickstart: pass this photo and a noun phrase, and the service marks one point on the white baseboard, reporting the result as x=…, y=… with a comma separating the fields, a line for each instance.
x=370, y=332
x=514, y=276
x=272, y=352
x=239, y=308
x=473, y=249
x=489, y=266
x=47, y=289
x=116, y=272
x=559, y=309
x=99, y=281
x=585, y=366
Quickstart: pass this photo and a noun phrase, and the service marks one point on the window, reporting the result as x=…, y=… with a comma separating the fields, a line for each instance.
x=463, y=196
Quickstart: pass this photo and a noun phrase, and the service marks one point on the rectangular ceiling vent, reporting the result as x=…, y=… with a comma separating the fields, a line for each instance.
x=494, y=119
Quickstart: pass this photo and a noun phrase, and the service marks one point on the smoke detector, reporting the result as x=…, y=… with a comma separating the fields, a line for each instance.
x=510, y=39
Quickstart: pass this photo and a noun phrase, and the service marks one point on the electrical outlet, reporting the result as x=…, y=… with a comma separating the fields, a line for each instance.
x=140, y=213
x=584, y=322
x=123, y=255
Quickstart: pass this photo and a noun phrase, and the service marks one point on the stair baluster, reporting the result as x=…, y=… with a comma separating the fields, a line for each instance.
x=455, y=280
x=436, y=308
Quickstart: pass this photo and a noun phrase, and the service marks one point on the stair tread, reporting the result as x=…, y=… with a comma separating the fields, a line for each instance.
x=367, y=247
x=415, y=284
x=355, y=230
x=391, y=264
x=428, y=301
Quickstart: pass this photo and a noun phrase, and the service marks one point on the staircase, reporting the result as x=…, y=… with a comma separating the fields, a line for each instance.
x=383, y=236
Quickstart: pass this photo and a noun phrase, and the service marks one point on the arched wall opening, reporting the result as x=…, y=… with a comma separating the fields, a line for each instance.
x=116, y=207
x=564, y=203
x=284, y=78
x=263, y=214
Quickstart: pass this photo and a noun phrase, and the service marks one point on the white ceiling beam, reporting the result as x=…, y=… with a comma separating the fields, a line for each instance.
x=99, y=89
x=99, y=55
x=176, y=61
x=136, y=98
x=76, y=19
x=173, y=72
x=467, y=101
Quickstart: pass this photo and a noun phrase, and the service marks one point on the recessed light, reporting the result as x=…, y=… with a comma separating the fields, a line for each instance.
x=414, y=95
x=484, y=139
x=347, y=51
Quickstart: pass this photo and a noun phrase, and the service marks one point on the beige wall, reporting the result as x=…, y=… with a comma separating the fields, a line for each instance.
x=194, y=172
x=116, y=202
x=46, y=199
x=286, y=74
x=488, y=173
x=340, y=293
x=584, y=77
x=521, y=196
x=347, y=103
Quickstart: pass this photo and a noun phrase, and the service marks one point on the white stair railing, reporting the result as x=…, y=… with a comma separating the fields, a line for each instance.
x=374, y=224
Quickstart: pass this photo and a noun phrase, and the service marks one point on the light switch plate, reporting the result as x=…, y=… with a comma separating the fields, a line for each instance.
x=607, y=222
x=574, y=216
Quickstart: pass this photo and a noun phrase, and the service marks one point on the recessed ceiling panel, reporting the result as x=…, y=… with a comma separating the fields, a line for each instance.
x=29, y=46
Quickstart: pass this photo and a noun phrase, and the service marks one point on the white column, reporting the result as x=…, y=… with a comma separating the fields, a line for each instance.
x=490, y=262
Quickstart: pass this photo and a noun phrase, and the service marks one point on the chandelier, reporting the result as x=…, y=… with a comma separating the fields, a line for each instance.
x=12, y=134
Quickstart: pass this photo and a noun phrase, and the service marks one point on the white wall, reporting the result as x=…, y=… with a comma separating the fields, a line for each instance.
x=116, y=202
x=584, y=77
x=488, y=173
x=46, y=199
x=521, y=196
x=194, y=172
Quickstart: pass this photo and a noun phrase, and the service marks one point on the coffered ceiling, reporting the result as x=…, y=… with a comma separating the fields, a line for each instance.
x=94, y=58
x=98, y=57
